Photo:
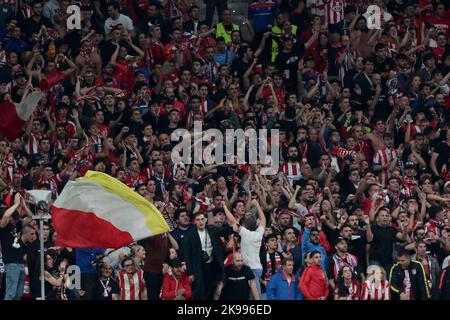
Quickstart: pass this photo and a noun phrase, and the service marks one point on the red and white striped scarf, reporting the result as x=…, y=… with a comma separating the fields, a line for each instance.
x=269, y=273
x=350, y=261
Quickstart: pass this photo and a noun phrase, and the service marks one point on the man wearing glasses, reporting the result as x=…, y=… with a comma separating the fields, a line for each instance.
x=131, y=281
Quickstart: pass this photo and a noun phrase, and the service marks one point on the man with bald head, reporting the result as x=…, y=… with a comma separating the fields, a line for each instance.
x=239, y=281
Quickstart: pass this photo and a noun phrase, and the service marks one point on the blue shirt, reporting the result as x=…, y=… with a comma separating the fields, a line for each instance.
x=262, y=14
x=14, y=45
x=85, y=259
x=224, y=58
x=179, y=234
x=308, y=246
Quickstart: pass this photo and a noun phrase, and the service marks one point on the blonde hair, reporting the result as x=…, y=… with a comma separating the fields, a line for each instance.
x=371, y=272
x=134, y=249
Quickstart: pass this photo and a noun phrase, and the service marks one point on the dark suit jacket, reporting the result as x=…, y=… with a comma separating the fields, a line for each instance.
x=188, y=26
x=192, y=249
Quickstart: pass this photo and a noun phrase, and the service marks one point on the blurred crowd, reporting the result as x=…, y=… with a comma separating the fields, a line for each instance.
x=359, y=208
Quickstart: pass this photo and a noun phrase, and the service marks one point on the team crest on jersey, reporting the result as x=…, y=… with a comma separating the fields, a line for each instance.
x=413, y=271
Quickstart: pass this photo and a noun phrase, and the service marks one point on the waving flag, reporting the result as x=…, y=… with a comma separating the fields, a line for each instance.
x=98, y=211
x=14, y=115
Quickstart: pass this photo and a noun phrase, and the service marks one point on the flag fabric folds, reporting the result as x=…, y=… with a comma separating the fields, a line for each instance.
x=98, y=211
x=14, y=115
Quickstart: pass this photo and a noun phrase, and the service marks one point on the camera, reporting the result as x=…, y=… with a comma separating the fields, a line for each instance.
x=205, y=256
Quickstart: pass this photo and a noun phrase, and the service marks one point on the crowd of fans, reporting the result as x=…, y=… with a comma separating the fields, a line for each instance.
x=359, y=208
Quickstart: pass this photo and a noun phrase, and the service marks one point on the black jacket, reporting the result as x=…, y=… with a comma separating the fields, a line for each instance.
x=444, y=284
x=192, y=252
x=189, y=26
x=417, y=278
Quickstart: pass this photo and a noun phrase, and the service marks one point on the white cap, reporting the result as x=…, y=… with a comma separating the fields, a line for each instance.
x=447, y=184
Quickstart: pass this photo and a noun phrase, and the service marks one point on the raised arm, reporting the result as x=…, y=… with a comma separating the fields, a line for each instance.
x=6, y=219
x=261, y=216
x=229, y=215
x=72, y=66
x=262, y=44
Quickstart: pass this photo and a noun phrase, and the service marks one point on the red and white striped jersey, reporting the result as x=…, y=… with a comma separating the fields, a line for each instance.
x=334, y=11
x=407, y=288
x=384, y=157
x=353, y=292
x=52, y=182
x=291, y=170
x=406, y=184
x=131, y=285
x=59, y=145
x=371, y=292
x=317, y=7
x=32, y=145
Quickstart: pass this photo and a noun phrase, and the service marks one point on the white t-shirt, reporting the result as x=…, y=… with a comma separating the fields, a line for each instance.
x=386, y=16
x=302, y=211
x=250, y=246
x=124, y=20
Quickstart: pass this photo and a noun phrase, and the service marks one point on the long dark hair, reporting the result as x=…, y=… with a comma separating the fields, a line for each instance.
x=342, y=289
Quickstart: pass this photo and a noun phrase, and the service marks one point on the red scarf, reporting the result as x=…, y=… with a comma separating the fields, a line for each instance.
x=269, y=273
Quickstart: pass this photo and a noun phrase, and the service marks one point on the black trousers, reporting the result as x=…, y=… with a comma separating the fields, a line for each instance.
x=2, y=285
x=153, y=283
x=203, y=288
x=88, y=282
x=211, y=5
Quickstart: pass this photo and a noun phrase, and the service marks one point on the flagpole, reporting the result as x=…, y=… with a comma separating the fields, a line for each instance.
x=41, y=214
x=41, y=219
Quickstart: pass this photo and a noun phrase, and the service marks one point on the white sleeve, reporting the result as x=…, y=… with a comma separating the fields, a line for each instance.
x=129, y=26
x=108, y=26
x=243, y=232
x=260, y=231
x=444, y=89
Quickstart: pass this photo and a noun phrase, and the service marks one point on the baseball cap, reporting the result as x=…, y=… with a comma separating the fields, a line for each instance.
x=175, y=263
x=349, y=9
x=410, y=165
x=19, y=74
x=410, y=198
x=339, y=239
x=286, y=37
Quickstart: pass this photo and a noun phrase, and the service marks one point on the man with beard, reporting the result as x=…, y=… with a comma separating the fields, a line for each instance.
x=348, y=180
x=383, y=238
x=300, y=203
x=34, y=23
x=239, y=281
x=393, y=191
x=239, y=66
x=288, y=58
x=182, y=219
x=407, y=279
x=340, y=259
x=308, y=151
x=430, y=266
x=355, y=235
x=363, y=81
x=161, y=181
x=291, y=168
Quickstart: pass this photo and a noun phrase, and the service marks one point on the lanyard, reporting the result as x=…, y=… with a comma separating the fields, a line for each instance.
x=105, y=286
